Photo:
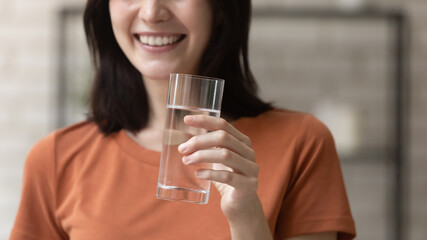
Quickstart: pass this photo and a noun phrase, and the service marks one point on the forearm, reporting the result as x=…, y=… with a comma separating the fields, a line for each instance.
x=252, y=226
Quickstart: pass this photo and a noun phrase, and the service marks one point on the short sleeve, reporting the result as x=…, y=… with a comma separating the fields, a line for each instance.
x=36, y=214
x=316, y=199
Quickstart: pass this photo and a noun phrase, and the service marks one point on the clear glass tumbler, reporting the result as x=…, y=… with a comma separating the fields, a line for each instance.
x=187, y=95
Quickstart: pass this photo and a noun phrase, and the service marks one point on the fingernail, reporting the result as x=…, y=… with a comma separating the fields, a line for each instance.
x=198, y=173
x=182, y=148
x=189, y=118
x=186, y=160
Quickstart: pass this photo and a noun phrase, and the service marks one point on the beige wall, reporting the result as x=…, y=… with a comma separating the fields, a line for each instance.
x=27, y=90
x=28, y=71
x=346, y=63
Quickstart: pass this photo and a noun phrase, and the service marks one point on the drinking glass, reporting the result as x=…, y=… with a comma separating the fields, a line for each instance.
x=187, y=95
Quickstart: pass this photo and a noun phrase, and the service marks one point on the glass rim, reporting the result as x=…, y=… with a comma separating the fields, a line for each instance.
x=200, y=77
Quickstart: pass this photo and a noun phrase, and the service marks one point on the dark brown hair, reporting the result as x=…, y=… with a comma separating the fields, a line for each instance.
x=119, y=98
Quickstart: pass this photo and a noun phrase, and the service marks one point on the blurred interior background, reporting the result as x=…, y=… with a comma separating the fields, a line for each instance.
x=358, y=65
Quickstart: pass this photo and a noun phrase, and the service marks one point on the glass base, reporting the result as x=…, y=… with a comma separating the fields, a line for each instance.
x=182, y=194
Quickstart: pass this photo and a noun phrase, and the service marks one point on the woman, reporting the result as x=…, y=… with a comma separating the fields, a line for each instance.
x=97, y=179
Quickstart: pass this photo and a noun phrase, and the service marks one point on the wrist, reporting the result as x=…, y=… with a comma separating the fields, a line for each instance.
x=250, y=224
x=247, y=214
x=254, y=229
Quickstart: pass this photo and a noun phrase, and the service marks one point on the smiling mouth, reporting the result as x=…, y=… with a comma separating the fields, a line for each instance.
x=159, y=41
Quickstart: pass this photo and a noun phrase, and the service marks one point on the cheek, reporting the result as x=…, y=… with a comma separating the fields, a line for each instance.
x=196, y=15
x=204, y=37
x=115, y=17
x=203, y=20
x=202, y=30
x=120, y=16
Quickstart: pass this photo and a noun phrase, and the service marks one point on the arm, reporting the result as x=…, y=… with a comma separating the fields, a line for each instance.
x=235, y=174
x=36, y=217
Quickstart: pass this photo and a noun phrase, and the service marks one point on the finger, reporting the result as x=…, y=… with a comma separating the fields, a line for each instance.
x=213, y=123
x=224, y=156
x=219, y=139
x=239, y=182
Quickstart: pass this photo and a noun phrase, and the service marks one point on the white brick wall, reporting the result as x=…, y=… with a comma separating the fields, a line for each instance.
x=28, y=83
x=417, y=166
x=307, y=71
x=27, y=97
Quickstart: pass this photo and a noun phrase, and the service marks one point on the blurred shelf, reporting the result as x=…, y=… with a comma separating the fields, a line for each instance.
x=397, y=150
x=337, y=13
x=367, y=155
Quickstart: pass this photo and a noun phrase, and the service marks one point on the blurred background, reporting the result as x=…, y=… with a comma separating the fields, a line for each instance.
x=358, y=65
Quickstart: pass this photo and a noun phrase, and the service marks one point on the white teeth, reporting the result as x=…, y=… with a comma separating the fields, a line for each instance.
x=158, y=41
x=151, y=41
x=165, y=40
x=144, y=39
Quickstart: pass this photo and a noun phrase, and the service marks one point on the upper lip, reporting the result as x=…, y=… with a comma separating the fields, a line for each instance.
x=158, y=34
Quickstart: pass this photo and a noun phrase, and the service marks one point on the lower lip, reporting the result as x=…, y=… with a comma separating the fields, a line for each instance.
x=156, y=49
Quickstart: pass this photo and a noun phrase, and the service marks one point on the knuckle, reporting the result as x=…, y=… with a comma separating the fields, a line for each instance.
x=221, y=136
x=225, y=154
x=226, y=177
x=196, y=156
x=253, y=184
x=248, y=141
x=254, y=181
x=252, y=155
x=222, y=123
x=256, y=170
x=193, y=141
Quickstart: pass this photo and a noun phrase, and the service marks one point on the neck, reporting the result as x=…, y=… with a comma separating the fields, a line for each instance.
x=150, y=137
x=157, y=91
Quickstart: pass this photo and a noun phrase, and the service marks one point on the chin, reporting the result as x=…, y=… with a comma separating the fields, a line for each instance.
x=160, y=77
x=162, y=73
x=158, y=74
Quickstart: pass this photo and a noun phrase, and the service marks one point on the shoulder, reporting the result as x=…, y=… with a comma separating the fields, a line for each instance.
x=41, y=181
x=286, y=122
x=77, y=136
x=71, y=137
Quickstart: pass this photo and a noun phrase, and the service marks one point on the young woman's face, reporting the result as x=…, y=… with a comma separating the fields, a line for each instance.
x=160, y=37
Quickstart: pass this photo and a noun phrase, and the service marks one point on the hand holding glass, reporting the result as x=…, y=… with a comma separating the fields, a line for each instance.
x=188, y=95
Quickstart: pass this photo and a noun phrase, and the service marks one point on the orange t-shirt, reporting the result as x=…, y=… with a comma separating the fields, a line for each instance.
x=79, y=184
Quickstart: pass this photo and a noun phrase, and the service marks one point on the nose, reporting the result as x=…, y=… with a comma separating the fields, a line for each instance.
x=153, y=11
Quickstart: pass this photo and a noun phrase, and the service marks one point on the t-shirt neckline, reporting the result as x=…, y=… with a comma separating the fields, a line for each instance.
x=137, y=151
